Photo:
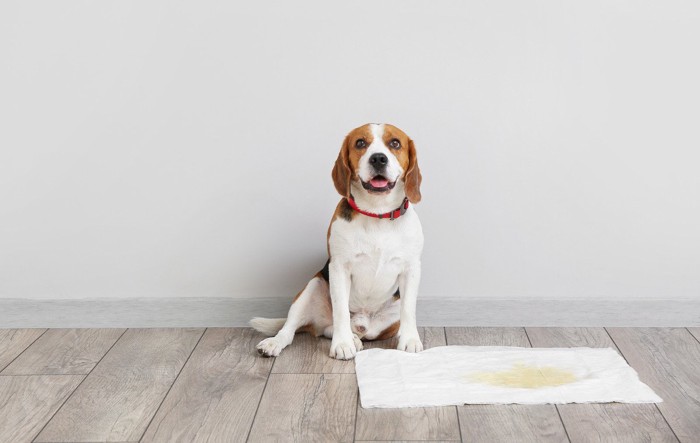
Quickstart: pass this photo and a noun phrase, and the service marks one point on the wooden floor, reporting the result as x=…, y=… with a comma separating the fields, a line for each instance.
x=166, y=385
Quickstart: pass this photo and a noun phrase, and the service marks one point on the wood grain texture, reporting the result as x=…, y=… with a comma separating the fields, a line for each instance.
x=569, y=337
x=215, y=397
x=606, y=422
x=309, y=355
x=217, y=391
x=695, y=332
x=615, y=422
x=28, y=402
x=511, y=423
x=14, y=341
x=667, y=359
x=409, y=423
x=306, y=408
x=65, y=351
x=120, y=396
x=487, y=336
x=500, y=423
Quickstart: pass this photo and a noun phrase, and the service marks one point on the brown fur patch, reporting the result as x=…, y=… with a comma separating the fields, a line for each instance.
x=328, y=237
x=389, y=332
x=402, y=155
x=308, y=328
x=413, y=177
x=347, y=163
x=342, y=210
x=408, y=159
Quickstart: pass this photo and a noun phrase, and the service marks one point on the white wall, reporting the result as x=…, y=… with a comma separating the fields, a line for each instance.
x=174, y=149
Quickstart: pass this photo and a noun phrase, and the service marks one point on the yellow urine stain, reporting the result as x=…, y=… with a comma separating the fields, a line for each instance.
x=524, y=376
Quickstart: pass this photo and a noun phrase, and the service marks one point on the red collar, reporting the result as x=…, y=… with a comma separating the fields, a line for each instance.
x=391, y=215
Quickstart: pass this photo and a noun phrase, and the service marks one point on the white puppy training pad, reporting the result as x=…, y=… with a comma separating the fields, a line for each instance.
x=456, y=375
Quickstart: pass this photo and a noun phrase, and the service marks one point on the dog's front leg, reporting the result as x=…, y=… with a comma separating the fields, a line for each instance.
x=342, y=344
x=409, y=339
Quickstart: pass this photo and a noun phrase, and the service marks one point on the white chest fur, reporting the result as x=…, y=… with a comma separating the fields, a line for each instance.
x=375, y=253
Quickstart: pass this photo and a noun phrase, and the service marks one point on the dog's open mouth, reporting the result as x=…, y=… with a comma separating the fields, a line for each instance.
x=378, y=184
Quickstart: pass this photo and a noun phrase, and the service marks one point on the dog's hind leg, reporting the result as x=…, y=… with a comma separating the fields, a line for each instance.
x=310, y=310
x=385, y=323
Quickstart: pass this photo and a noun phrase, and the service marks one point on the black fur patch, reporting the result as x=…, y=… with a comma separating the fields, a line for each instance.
x=346, y=211
x=324, y=271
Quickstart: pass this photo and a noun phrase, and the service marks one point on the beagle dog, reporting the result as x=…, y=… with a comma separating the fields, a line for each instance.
x=367, y=290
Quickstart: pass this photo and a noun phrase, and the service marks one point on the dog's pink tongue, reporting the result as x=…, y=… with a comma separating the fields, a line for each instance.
x=379, y=182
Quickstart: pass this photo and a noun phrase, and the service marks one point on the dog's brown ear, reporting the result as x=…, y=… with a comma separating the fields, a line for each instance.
x=342, y=174
x=413, y=177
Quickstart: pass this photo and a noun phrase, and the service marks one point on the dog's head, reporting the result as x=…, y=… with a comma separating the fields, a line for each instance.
x=375, y=158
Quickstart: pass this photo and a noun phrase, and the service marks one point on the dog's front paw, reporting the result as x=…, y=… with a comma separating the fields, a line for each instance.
x=410, y=344
x=270, y=347
x=358, y=342
x=343, y=349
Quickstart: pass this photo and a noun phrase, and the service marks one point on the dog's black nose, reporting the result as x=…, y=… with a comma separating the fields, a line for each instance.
x=378, y=160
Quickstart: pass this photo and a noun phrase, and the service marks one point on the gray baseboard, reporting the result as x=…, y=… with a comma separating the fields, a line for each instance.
x=222, y=312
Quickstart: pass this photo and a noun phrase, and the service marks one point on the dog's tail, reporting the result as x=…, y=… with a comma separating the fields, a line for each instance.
x=268, y=326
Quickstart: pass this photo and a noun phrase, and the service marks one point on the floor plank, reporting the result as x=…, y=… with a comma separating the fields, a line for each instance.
x=511, y=423
x=28, y=402
x=215, y=397
x=409, y=423
x=611, y=422
x=217, y=391
x=667, y=359
x=497, y=423
x=487, y=336
x=14, y=341
x=695, y=332
x=65, y=351
x=120, y=396
x=306, y=408
x=569, y=337
x=310, y=355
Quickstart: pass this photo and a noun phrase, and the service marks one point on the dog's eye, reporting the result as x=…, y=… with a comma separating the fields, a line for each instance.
x=361, y=143
x=395, y=144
